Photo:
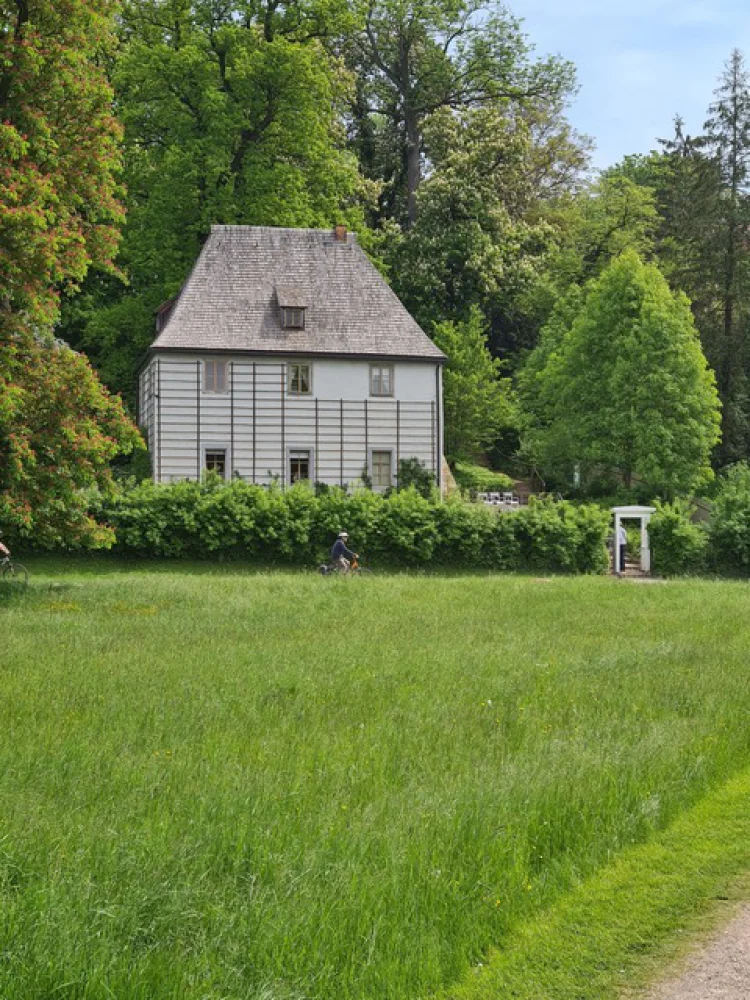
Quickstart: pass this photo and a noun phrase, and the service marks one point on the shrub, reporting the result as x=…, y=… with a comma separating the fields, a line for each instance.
x=413, y=472
x=476, y=478
x=359, y=513
x=298, y=525
x=562, y=536
x=729, y=532
x=408, y=532
x=677, y=544
x=464, y=533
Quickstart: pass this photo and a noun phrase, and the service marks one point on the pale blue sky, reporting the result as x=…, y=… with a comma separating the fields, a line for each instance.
x=639, y=62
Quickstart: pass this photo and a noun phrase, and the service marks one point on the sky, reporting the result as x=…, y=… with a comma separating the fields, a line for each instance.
x=639, y=62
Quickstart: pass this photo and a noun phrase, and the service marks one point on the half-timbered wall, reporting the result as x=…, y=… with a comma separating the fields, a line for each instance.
x=258, y=423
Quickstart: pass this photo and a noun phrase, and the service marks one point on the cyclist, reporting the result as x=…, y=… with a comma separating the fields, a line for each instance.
x=341, y=556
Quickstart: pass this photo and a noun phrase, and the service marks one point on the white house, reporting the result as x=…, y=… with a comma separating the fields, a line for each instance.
x=286, y=356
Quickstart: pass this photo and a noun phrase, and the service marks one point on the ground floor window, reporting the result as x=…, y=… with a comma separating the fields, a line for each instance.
x=382, y=476
x=216, y=461
x=300, y=465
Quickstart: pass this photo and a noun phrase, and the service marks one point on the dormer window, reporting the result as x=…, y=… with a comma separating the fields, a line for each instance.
x=293, y=318
x=292, y=301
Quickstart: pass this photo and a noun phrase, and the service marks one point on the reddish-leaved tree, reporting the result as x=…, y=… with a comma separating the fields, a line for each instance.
x=59, y=214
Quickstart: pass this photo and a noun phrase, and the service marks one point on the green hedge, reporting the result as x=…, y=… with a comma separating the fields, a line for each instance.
x=678, y=546
x=729, y=532
x=478, y=479
x=296, y=526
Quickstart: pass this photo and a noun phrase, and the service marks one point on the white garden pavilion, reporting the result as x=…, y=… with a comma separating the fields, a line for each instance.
x=634, y=513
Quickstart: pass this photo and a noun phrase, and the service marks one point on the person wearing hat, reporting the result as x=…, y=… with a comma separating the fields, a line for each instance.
x=341, y=556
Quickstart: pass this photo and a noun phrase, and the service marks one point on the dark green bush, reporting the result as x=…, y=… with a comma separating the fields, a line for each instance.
x=298, y=526
x=413, y=472
x=678, y=545
x=729, y=532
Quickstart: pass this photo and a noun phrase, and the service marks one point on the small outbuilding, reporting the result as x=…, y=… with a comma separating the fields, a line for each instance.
x=634, y=513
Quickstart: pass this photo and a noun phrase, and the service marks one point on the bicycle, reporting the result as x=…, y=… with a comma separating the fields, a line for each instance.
x=12, y=574
x=329, y=569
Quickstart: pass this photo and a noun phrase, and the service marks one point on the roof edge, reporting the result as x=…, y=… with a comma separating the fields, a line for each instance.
x=221, y=228
x=439, y=359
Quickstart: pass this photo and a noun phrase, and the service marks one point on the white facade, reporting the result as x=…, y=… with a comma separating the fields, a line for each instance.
x=267, y=419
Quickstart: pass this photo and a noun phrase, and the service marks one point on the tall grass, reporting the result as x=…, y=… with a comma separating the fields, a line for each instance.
x=280, y=786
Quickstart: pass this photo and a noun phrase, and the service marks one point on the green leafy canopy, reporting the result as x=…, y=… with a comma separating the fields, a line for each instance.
x=477, y=402
x=627, y=393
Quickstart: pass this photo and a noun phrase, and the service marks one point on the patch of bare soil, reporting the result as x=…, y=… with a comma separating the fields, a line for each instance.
x=718, y=971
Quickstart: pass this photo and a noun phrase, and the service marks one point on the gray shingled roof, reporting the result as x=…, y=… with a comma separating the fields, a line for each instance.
x=230, y=301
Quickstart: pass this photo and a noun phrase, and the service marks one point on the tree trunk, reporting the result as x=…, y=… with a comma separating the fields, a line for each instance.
x=413, y=162
x=413, y=133
x=732, y=361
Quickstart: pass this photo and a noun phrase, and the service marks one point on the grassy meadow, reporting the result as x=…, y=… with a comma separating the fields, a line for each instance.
x=220, y=784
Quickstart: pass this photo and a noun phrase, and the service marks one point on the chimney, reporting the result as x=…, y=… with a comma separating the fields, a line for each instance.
x=339, y=234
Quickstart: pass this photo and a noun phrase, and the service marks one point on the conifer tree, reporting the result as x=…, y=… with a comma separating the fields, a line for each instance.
x=727, y=139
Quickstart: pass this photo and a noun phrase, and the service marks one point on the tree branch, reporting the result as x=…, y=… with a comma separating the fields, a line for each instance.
x=6, y=80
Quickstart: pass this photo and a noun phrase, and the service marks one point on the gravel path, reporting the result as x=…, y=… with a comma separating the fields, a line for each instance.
x=719, y=971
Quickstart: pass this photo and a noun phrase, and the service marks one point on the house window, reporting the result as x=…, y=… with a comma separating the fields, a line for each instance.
x=300, y=465
x=381, y=380
x=214, y=376
x=216, y=461
x=300, y=380
x=381, y=464
x=293, y=318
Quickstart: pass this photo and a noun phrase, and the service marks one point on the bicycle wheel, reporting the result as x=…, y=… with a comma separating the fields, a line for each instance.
x=16, y=575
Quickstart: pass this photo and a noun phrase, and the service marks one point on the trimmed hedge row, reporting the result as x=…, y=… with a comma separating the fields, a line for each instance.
x=296, y=526
x=678, y=545
x=476, y=478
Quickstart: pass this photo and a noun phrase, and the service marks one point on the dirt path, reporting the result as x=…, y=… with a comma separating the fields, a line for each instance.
x=720, y=970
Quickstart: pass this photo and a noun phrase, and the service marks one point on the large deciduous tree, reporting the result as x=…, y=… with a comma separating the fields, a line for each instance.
x=233, y=114
x=486, y=226
x=626, y=393
x=59, y=152
x=58, y=215
x=417, y=57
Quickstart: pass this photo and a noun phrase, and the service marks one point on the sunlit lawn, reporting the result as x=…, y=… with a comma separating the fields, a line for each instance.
x=275, y=786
